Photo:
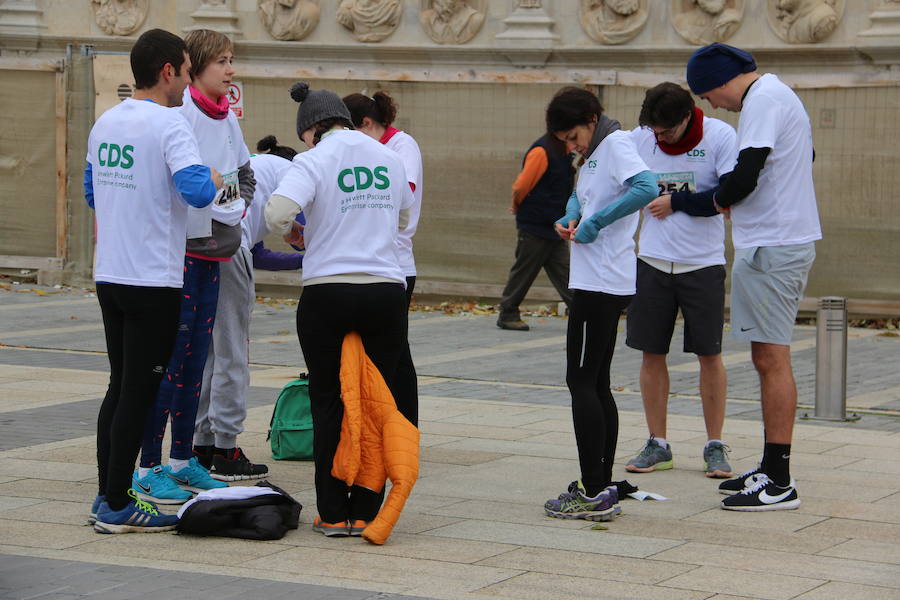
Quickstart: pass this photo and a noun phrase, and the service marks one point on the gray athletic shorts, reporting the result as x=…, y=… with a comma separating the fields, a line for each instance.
x=767, y=283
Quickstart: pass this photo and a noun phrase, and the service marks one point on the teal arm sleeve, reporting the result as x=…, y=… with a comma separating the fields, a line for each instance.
x=573, y=210
x=641, y=192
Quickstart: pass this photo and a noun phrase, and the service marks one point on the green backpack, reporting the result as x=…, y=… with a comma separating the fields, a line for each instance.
x=291, y=428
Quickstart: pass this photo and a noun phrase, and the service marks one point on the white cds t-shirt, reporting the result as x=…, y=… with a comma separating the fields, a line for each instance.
x=268, y=169
x=351, y=189
x=608, y=264
x=782, y=210
x=403, y=144
x=134, y=149
x=680, y=237
x=222, y=148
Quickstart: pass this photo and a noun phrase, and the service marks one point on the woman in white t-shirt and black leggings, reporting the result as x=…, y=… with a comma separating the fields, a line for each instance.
x=374, y=116
x=355, y=195
x=601, y=218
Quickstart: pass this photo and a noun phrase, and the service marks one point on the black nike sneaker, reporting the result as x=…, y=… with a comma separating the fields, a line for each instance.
x=763, y=494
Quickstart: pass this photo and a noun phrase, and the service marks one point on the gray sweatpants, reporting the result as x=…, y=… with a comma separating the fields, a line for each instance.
x=226, y=376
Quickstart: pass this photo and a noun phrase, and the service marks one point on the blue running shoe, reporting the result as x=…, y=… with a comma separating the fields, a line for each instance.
x=156, y=487
x=92, y=518
x=194, y=477
x=138, y=516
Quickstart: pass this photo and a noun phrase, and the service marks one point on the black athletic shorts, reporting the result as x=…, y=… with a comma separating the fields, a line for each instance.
x=699, y=294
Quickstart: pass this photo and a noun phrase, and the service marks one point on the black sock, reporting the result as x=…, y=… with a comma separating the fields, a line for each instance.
x=226, y=452
x=776, y=463
x=203, y=450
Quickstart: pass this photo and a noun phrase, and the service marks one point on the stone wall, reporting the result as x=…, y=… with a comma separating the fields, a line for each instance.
x=472, y=88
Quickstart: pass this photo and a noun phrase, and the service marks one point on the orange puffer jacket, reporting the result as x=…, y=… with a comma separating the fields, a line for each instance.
x=376, y=440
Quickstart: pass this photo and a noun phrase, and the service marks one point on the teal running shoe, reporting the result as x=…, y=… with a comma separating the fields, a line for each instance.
x=194, y=478
x=158, y=488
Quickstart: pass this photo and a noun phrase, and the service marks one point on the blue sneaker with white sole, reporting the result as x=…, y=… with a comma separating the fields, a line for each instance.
x=92, y=518
x=138, y=516
x=157, y=487
x=194, y=478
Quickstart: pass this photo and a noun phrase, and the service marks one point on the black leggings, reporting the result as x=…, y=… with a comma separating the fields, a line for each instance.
x=590, y=342
x=327, y=312
x=140, y=325
x=407, y=396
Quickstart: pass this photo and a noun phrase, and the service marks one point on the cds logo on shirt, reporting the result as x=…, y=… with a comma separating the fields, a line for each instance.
x=113, y=155
x=363, y=179
x=696, y=155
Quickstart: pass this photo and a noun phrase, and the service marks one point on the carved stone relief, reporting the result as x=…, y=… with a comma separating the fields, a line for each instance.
x=706, y=21
x=613, y=21
x=289, y=19
x=370, y=20
x=119, y=17
x=804, y=21
x=452, y=21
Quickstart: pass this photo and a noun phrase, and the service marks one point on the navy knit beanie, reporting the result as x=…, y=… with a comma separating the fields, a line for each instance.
x=715, y=65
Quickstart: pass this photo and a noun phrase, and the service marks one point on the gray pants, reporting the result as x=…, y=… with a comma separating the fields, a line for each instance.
x=226, y=377
x=532, y=253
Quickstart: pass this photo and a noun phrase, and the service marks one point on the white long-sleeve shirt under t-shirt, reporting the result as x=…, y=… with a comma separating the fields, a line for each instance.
x=222, y=148
x=134, y=149
x=681, y=238
x=403, y=144
x=351, y=189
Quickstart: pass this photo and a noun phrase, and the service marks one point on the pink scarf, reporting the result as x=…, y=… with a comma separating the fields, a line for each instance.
x=213, y=110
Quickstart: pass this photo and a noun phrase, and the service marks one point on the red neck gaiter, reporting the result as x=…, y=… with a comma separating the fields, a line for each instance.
x=388, y=134
x=691, y=138
x=213, y=110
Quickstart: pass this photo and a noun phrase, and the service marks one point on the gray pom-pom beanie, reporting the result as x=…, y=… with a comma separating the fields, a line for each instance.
x=316, y=105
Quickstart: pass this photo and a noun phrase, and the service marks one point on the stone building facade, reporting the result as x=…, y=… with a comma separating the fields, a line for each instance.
x=472, y=78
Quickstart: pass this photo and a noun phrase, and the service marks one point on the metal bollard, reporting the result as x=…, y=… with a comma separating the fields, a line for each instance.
x=831, y=360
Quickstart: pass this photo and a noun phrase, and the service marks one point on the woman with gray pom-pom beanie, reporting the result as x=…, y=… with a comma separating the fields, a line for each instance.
x=355, y=196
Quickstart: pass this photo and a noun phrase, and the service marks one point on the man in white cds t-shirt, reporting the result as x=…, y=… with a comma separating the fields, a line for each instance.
x=775, y=224
x=681, y=267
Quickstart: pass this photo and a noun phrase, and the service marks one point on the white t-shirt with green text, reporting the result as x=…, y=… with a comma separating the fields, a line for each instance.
x=351, y=189
x=608, y=264
x=134, y=149
x=680, y=237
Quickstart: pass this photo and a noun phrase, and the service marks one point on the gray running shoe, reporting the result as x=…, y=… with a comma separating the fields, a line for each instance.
x=715, y=460
x=652, y=457
x=574, y=504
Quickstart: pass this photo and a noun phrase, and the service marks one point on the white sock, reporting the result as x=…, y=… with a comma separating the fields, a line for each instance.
x=177, y=464
x=143, y=472
x=662, y=442
x=710, y=442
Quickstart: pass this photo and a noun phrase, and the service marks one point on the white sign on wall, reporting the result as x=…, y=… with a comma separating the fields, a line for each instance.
x=236, y=98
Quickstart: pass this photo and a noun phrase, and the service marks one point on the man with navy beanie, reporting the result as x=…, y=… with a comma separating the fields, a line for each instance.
x=775, y=224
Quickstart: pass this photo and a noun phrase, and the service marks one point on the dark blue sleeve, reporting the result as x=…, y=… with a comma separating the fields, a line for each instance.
x=270, y=260
x=195, y=185
x=302, y=220
x=89, y=185
x=698, y=204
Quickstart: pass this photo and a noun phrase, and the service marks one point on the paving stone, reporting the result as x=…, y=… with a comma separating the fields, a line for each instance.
x=835, y=590
x=594, y=542
x=540, y=586
x=723, y=580
x=769, y=562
